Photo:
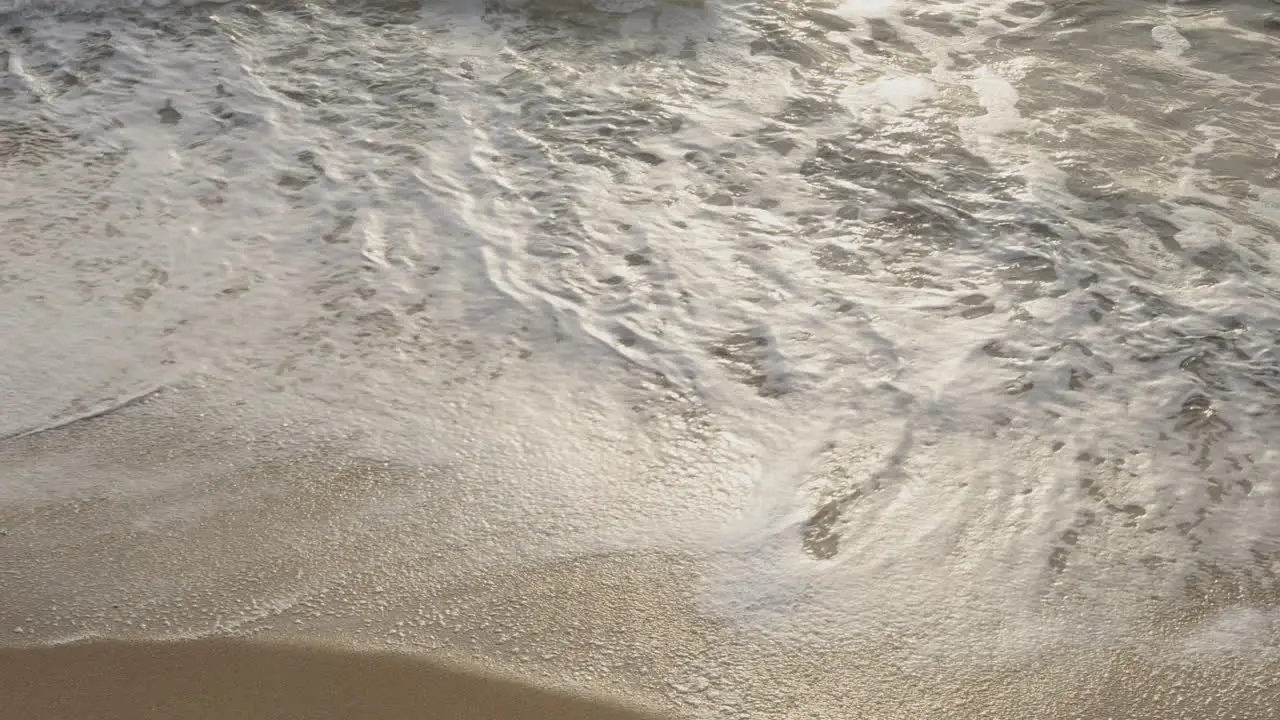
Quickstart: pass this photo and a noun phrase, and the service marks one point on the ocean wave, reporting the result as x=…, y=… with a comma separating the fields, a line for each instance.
x=973, y=304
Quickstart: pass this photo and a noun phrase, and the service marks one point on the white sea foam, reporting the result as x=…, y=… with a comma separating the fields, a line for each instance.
x=945, y=321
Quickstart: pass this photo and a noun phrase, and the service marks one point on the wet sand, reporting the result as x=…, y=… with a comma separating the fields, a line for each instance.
x=229, y=678
x=287, y=545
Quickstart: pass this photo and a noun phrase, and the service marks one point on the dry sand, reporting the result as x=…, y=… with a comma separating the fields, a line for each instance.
x=232, y=679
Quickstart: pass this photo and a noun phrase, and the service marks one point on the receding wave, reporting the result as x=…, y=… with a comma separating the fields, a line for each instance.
x=879, y=340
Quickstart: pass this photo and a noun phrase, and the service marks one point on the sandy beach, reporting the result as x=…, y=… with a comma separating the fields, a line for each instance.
x=224, y=678
x=228, y=678
x=308, y=609
x=554, y=359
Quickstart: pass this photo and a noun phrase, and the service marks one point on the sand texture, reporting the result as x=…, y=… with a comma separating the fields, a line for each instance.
x=235, y=679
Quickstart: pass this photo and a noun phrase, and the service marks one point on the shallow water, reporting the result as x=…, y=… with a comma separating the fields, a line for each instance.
x=936, y=331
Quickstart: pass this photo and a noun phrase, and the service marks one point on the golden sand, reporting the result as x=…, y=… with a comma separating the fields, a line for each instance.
x=231, y=679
